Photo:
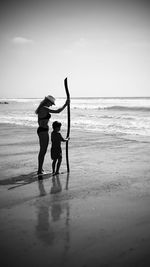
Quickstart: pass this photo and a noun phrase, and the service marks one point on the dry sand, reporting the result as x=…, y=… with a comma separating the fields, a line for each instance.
x=96, y=216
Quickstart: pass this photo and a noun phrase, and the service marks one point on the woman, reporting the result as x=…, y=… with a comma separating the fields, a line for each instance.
x=44, y=114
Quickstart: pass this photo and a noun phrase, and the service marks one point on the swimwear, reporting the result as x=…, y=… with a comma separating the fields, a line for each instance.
x=43, y=129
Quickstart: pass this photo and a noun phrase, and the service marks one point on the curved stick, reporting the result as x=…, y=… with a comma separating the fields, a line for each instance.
x=68, y=123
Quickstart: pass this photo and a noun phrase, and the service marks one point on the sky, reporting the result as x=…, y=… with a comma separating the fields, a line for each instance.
x=103, y=47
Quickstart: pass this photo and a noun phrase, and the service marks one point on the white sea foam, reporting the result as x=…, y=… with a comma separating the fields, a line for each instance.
x=109, y=115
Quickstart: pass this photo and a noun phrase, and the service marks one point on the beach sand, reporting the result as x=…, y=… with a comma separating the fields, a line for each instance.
x=98, y=215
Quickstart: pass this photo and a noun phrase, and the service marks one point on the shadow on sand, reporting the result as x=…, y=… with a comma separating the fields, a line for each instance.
x=29, y=178
x=22, y=180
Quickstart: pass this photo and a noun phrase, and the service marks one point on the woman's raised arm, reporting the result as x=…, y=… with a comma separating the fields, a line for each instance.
x=59, y=109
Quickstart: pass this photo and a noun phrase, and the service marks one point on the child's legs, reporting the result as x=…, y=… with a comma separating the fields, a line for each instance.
x=53, y=165
x=59, y=160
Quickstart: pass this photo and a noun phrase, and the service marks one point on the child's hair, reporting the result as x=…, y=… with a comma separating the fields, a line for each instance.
x=56, y=124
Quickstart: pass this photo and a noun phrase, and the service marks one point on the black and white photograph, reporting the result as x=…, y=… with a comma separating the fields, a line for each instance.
x=75, y=133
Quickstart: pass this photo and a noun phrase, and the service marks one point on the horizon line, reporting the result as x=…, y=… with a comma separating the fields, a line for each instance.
x=77, y=97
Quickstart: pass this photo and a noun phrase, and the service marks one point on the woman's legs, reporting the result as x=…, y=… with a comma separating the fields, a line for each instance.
x=43, y=142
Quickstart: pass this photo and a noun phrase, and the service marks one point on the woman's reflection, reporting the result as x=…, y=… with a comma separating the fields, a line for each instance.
x=41, y=188
x=50, y=211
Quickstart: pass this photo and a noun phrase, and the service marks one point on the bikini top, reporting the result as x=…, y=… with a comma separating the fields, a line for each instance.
x=42, y=121
x=47, y=117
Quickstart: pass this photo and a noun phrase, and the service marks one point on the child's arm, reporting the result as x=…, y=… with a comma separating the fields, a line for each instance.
x=64, y=139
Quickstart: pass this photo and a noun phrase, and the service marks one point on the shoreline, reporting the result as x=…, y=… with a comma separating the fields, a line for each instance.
x=98, y=215
x=19, y=148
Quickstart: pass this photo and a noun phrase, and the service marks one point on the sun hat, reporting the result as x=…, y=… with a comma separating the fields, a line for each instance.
x=51, y=99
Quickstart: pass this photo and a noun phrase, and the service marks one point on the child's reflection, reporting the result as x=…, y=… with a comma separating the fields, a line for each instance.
x=50, y=211
x=56, y=185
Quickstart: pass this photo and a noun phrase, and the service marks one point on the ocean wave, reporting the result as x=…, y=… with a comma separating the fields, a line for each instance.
x=20, y=100
x=110, y=127
x=126, y=108
x=117, y=108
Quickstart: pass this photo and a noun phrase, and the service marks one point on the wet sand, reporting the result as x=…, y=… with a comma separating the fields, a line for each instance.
x=98, y=215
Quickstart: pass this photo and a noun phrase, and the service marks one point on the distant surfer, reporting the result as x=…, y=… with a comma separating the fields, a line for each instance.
x=56, y=151
x=44, y=114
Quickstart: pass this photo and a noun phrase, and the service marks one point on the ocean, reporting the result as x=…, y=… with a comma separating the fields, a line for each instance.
x=115, y=116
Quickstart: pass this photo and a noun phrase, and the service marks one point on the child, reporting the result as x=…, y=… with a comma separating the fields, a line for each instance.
x=56, y=152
